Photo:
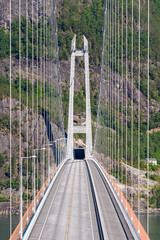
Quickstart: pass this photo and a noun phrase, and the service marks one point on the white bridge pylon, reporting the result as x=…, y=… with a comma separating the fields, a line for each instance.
x=79, y=129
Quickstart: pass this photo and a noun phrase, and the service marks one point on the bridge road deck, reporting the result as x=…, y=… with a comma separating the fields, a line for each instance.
x=69, y=211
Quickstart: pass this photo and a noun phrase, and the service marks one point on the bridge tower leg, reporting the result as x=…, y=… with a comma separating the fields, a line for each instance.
x=71, y=101
x=88, y=105
x=79, y=129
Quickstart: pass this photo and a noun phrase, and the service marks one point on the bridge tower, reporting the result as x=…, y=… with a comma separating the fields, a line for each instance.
x=79, y=129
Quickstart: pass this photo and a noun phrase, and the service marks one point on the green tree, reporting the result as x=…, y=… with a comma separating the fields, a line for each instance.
x=1, y=159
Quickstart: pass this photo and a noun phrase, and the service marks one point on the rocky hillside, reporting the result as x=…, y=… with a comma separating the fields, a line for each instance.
x=5, y=10
x=35, y=67
x=82, y=17
x=86, y=17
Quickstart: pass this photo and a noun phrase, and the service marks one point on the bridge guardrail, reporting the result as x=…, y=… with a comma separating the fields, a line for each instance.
x=39, y=197
x=137, y=226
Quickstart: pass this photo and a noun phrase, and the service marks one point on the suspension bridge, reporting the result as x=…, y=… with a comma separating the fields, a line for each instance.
x=80, y=200
x=76, y=195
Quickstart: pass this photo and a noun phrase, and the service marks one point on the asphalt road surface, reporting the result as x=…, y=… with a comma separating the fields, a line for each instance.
x=115, y=224
x=70, y=209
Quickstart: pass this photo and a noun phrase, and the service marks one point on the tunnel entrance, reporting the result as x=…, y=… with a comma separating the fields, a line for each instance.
x=79, y=153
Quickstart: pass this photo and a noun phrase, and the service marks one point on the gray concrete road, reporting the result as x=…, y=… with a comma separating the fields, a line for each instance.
x=69, y=210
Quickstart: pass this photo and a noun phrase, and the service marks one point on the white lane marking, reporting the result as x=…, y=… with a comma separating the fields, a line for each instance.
x=70, y=202
x=89, y=204
x=50, y=207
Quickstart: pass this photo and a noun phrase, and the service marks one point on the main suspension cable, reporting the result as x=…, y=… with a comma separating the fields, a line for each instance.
x=37, y=96
x=139, y=104
x=27, y=97
x=115, y=105
x=118, y=100
x=122, y=100
x=110, y=95
x=148, y=102
x=126, y=94
x=41, y=86
x=132, y=119
x=10, y=127
x=20, y=130
x=44, y=95
x=32, y=129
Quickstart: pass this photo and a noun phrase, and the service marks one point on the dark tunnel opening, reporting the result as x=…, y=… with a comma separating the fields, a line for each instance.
x=79, y=153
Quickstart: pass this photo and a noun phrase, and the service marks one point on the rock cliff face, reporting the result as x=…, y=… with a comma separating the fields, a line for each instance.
x=38, y=135
x=79, y=74
x=121, y=87
x=50, y=70
x=35, y=122
x=37, y=10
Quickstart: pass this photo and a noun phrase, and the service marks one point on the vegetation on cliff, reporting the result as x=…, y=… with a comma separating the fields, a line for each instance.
x=81, y=18
x=41, y=53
